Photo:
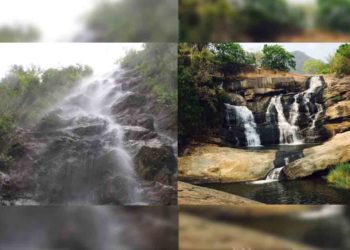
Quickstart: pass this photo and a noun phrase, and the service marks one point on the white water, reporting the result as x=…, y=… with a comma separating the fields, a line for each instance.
x=274, y=174
x=324, y=212
x=247, y=118
x=317, y=116
x=92, y=101
x=289, y=133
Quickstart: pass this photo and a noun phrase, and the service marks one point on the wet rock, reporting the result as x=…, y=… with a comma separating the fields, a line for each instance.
x=319, y=158
x=116, y=190
x=218, y=164
x=156, y=164
x=236, y=99
x=133, y=100
x=138, y=133
x=90, y=130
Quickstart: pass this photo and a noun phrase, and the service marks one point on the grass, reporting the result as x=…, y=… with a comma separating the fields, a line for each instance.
x=340, y=176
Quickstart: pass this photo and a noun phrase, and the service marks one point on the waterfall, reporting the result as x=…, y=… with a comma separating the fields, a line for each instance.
x=289, y=133
x=274, y=174
x=244, y=116
x=317, y=115
x=88, y=110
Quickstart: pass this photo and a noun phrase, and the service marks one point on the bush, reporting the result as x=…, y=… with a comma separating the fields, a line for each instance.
x=313, y=66
x=334, y=15
x=340, y=175
x=340, y=63
x=275, y=57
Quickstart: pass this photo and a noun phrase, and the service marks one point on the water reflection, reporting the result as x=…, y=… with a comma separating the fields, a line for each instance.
x=88, y=228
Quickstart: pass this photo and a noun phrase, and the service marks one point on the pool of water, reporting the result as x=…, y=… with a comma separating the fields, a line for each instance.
x=308, y=191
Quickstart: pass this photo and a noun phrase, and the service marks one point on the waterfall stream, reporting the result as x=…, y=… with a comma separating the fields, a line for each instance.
x=244, y=117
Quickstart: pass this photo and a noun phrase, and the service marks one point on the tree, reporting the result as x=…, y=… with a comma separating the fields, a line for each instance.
x=275, y=57
x=19, y=33
x=314, y=66
x=232, y=58
x=265, y=20
x=334, y=15
x=340, y=63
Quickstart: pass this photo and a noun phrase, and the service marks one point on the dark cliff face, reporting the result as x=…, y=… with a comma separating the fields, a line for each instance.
x=300, y=99
x=91, y=149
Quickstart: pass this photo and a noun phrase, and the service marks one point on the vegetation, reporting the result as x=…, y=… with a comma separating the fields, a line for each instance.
x=157, y=64
x=340, y=63
x=314, y=66
x=223, y=20
x=152, y=20
x=275, y=57
x=340, y=175
x=25, y=93
x=334, y=15
x=19, y=34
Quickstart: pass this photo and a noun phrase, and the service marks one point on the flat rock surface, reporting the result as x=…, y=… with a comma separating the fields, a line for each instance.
x=225, y=165
x=194, y=195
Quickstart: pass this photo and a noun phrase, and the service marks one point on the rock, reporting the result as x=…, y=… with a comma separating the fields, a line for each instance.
x=335, y=128
x=90, y=130
x=138, y=133
x=201, y=233
x=194, y=195
x=218, y=164
x=116, y=190
x=156, y=164
x=337, y=90
x=130, y=101
x=319, y=158
x=250, y=94
x=341, y=110
x=236, y=99
x=4, y=179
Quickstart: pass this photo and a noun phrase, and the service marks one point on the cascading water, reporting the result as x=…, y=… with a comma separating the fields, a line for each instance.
x=289, y=133
x=244, y=116
x=274, y=174
x=90, y=131
x=288, y=129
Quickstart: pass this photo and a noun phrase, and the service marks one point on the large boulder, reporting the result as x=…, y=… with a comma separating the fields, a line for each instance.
x=156, y=164
x=195, y=195
x=319, y=158
x=335, y=128
x=219, y=164
x=133, y=100
x=339, y=111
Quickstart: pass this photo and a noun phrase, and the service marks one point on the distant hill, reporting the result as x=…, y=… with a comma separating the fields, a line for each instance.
x=300, y=58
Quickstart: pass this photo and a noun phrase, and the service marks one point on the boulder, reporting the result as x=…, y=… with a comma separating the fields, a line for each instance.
x=133, y=100
x=236, y=99
x=339, y=111
x=156, y=164
x=219, y=164
x=138, y=133
x=195, y=195
x=319, y=158
x=335, y=128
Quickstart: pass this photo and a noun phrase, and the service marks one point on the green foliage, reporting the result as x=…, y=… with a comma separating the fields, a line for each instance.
x=134, y=20
x=206, y=20
x=157, y=64
x=340, y=176
x=313, y=66
x=25, y=93
x=228, y=20
x=265, y=20
x=232, y=58
x=334, y=15
x=277, y=58
x=340, y=63
x=337, y=98
x=19, y=34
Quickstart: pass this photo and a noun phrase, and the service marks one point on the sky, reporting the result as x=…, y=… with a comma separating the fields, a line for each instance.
x=101, y=57
x=319, y=51
x=59, y=20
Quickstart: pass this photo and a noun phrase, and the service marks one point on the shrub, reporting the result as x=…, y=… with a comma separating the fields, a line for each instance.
x=340, y=175
x=275, y=57
x=334, y=15
x=313, y=66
